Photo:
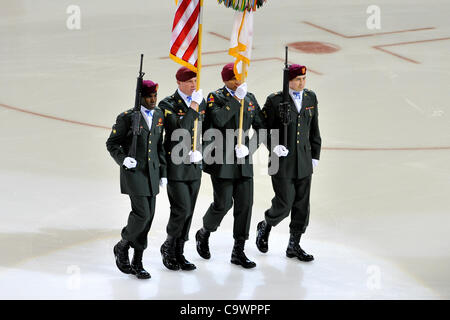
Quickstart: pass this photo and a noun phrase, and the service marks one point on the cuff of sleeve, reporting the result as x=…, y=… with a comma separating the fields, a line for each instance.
x=121, y=159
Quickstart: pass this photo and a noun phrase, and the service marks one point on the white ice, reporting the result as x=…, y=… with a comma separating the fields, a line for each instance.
x=380, y=218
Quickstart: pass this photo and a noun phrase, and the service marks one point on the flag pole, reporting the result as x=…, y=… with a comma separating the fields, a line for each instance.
x=241, y=111
x=199, y=67
x=244, y=67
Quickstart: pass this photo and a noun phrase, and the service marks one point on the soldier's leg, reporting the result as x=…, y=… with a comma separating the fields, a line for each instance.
x=178, y=193
x=139, y=221
x=194, y=188
x=299, y=220
x=281, y=206
x=223, y=201
x=136, y=231
x=143, y=236
x=282, y=202
x=180, y=206
x=242, y=212
x=300, y=208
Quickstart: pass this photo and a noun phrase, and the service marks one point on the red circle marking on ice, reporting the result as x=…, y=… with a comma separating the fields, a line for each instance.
x=314, y=47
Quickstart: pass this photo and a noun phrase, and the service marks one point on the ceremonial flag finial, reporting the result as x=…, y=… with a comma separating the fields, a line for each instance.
x=243, y=5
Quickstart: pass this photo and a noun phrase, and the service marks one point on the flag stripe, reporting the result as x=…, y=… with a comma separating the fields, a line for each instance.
x=180, y=12
x=193, y=19
x=190, y=50
x=187, y=41
x=183, y=20
x=184, y=43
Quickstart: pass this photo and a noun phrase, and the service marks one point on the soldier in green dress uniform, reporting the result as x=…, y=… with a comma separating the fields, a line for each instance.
x=140, y=177
x=297, y=157
x=184, y=167
x=232, y=180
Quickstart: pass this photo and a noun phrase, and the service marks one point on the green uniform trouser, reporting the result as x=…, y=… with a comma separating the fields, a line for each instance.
x=225, y=191
x=139, y=221
x=291, y=196
x=182, y=197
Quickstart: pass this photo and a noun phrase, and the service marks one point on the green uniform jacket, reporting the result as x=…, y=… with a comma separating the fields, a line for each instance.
x=223, y=109
x=150, y=155
x=303, y=133
x=179, y=116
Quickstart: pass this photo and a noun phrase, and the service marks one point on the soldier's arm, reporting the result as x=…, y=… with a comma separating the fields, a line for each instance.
x=314, y=134
x=162, y=154
x=118, y=135
x=257, y=124
x=258, y=119
x=173, y=121
x=221, y=112
x=268, y=113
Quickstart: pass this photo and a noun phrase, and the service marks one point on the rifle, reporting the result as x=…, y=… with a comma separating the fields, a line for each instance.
x=284, y=106
x=136, y=116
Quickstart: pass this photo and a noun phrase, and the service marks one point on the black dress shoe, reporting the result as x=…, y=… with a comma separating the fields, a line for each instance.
x=238, y=256
x=295, y=251
x=121, y=254
x=262, y=236
x=202, y=239
x=136, y=266
x=300, y=254
x=182, y=262
x=168, y=254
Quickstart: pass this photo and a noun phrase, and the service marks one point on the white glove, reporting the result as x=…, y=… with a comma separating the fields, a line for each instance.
x=241, y=91
x=315, y=162
x=130, y=163
x=241, y=151
x=197, y=96
x=195, y=156
x=281, y=151
x=163, y=182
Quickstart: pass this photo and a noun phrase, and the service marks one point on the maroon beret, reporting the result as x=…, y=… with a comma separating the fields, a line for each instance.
x=148, y=87
x=296, y=70
x=228, y=72
x=185, y=74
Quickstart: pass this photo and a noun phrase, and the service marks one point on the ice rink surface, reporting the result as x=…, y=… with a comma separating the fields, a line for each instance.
x=380, y=208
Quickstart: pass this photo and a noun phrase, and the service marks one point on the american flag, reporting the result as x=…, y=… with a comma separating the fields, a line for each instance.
x=185, y=34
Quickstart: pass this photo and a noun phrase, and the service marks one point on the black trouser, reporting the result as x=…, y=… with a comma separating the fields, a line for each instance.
x=225, y=191
x=139, y=221
x=182, y=197
x=291, y=195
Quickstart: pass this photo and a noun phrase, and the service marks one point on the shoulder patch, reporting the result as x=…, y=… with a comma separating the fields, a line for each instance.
x=274, y=94
x=129, y=111
x=211, y=98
